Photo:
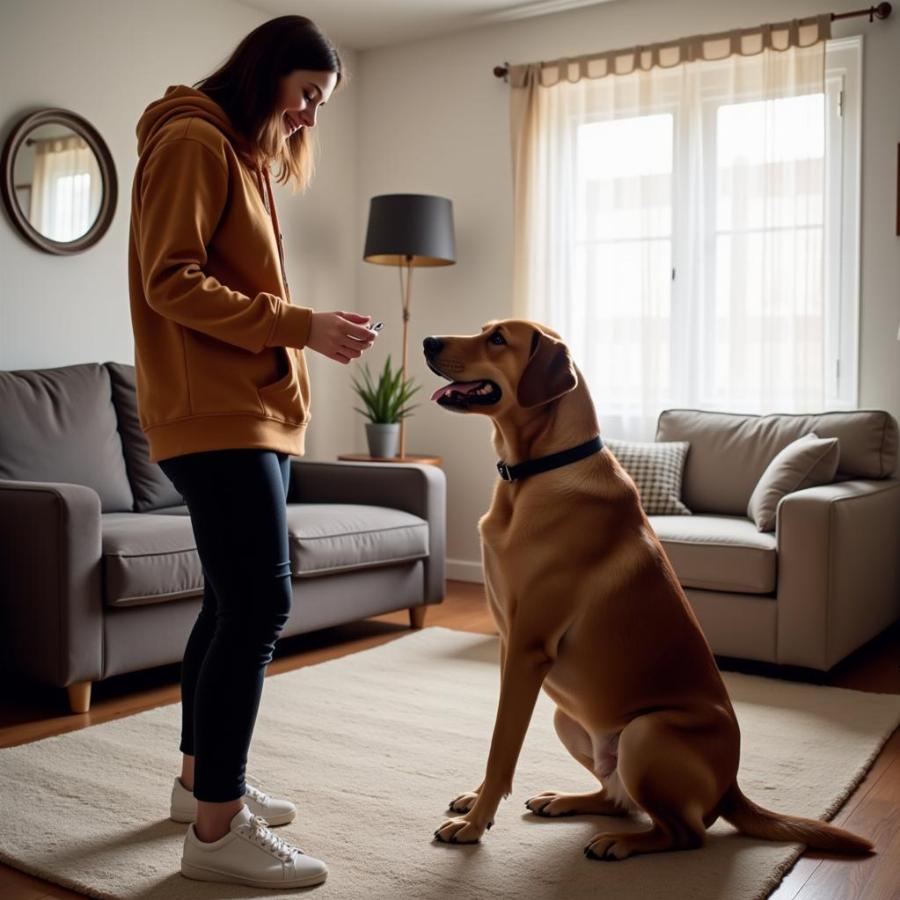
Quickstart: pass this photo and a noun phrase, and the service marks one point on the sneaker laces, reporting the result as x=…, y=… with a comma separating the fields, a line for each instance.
x=260, y=833
x=258, y=795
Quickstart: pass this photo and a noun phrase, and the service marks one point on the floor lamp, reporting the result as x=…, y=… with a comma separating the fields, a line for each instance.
x=409, y=230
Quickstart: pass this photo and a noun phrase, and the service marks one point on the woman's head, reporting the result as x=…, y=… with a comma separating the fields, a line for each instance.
x=272, y=88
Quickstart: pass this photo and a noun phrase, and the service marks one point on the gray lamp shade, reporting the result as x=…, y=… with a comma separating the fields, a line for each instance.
x=413, y=229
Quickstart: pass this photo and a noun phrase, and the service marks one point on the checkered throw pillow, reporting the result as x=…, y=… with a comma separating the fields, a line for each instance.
x=656, y=469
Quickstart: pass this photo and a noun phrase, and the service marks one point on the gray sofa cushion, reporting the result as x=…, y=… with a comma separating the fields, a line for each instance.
x=329, y=537
x=729, y=452
x=149, y=484
x=718, y=553
x=59, y=425
x=151, y=557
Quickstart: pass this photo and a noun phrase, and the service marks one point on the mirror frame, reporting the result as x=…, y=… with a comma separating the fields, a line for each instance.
x=107, y=171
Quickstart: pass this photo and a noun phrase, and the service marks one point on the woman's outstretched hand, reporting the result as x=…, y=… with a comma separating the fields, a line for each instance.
x=339, y=335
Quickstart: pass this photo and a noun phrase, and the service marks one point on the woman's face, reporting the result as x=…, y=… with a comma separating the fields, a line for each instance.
x=302, y=92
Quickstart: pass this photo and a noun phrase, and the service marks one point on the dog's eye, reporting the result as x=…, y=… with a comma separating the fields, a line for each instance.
x=496, y=338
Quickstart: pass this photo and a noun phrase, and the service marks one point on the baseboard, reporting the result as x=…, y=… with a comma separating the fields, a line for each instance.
x=464, y=570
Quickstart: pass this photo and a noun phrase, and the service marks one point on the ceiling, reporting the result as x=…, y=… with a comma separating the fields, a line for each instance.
x=365, y=24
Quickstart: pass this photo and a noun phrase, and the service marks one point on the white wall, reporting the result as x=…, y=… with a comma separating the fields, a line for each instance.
x=106, y=61
x=435, y=120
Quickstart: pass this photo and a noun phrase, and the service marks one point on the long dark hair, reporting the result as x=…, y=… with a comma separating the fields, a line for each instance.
x=246, y=87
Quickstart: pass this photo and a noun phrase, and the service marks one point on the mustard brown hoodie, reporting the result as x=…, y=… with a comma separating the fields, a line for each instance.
x=219, y=359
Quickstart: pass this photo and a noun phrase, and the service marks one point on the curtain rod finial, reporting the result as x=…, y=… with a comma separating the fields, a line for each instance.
x=502, y=71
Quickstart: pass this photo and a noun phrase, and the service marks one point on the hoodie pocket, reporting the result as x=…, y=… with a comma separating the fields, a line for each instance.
x=283, y=399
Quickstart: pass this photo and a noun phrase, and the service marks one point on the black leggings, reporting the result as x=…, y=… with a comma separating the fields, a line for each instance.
x=237, y=499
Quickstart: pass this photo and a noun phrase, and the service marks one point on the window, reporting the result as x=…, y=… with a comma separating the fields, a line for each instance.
x=715, y=250
x=624, y=245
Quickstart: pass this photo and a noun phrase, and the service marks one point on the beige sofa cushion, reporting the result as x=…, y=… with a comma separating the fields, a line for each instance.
x=804, y=463
x=729, y=452
x=718, y=553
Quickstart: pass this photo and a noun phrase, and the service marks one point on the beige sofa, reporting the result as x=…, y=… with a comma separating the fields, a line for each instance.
x=99, y=572
x=828, y=579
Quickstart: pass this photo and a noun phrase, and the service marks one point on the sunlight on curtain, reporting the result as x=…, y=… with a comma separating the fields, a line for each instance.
x=67, y=188
x=669, y=224
x=766, y=334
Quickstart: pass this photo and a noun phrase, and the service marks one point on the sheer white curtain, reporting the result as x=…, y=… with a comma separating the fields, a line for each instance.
x=669, y=221
x=66, y=188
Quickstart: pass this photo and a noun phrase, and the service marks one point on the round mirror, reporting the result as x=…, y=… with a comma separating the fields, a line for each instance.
x=59, y=181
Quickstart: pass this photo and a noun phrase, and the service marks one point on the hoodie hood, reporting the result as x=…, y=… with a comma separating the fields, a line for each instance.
x=181, y=101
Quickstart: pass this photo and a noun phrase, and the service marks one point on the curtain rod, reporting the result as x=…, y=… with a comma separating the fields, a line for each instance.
x=882, y=11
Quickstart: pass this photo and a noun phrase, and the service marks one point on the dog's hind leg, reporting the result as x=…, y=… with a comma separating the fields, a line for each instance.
x=593, y=803
x=666, y=767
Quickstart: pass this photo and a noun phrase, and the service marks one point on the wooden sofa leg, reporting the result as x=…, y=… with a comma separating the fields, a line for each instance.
x=79, y=696
x=417, y=616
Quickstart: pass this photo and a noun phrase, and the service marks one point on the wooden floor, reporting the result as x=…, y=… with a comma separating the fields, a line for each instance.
x=29, y=712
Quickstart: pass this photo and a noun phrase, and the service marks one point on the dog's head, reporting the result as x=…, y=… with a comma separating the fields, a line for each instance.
x=511, y=363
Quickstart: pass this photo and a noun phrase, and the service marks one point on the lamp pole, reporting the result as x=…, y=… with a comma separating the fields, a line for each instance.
x=409, y=230
x=405, y=298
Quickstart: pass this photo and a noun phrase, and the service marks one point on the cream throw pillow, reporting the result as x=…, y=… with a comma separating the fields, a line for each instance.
x=804, y=463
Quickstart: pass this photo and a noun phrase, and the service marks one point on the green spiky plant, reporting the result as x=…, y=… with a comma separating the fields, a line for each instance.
x=385, y=401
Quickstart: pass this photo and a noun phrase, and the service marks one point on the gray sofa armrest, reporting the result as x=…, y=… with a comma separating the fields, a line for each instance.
x=415, y=488
x=51, y=591
x=838, y=569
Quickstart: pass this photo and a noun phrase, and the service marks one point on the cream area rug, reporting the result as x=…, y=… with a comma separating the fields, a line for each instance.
x=372, y=747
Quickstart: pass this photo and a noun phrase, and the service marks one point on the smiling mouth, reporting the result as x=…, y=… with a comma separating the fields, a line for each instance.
x=291, y=125
x=465, y=393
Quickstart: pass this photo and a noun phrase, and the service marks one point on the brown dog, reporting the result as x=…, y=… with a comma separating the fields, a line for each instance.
x=588, y=607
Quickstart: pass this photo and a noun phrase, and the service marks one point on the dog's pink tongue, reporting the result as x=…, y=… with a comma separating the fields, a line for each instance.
x=463, y=387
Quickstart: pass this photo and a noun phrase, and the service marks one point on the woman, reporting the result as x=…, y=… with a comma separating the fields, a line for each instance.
x=223, y=397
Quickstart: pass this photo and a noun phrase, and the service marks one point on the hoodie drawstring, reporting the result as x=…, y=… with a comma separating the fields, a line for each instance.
x=279, y=237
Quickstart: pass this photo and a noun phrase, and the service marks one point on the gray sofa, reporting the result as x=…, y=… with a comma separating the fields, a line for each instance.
x=828, y=578
x=99, y=573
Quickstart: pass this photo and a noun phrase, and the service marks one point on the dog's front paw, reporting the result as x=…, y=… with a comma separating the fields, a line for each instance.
x=463, y=803
x=461, y=831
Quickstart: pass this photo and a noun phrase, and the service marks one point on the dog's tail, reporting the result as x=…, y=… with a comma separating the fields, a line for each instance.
x=754, y=821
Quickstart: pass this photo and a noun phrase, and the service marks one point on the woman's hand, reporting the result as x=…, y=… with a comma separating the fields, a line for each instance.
x=338, y=336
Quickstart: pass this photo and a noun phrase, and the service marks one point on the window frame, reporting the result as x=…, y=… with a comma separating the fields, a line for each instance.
x=843, y=73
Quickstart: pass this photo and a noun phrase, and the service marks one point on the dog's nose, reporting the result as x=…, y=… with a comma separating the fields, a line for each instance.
x=432, y=345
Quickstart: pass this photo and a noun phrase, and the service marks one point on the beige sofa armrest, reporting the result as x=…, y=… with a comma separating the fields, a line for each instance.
x=51, y=591
x=838, y=569
x=415, y=488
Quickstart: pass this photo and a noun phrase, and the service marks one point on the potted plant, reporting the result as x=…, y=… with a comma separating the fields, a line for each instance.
x=385, y=403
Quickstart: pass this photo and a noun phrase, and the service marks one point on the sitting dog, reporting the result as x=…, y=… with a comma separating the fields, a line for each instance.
x=588, y=606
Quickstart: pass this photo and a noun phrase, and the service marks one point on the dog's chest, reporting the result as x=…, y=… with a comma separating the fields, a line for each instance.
x=496, y=525
x=493, y=533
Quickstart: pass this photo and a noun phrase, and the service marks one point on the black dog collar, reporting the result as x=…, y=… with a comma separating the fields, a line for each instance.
x=553, y=461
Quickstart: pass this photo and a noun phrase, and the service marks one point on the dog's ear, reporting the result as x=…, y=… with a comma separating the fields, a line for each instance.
x=549, y=372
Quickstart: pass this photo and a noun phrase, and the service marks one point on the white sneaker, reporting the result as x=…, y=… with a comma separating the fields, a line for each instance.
x=250, y=854
x=183, y=806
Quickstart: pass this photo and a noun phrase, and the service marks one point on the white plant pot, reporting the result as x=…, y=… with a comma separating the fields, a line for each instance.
x=383, y=438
